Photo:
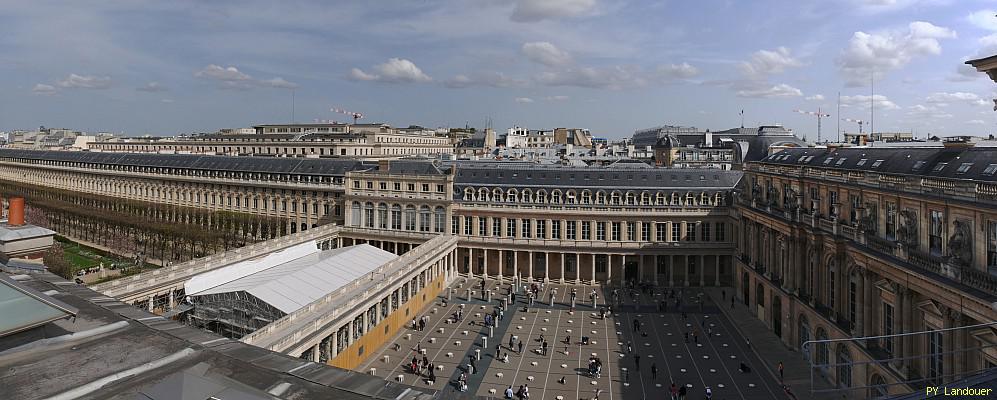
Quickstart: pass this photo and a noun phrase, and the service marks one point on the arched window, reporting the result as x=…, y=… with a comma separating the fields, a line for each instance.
x=382, y=216
x=844, y=368
x=615, y=198
x=718, y=199
x=440, y=218
x=511, y=195
x=541, y=196
x=368, y=215
x=396, y=216
x=355, y=217
x=660, y=199
x=600, y=197
x=482, y=194
x=555, y=196
x=526, y=196
x=424, y=219
x=760, y=294
x=497, y=195
x=586, y=196
x=630, y=199
x=822, y=350
x=674, y=199
x=570, y=197
x=410, y=218
x=469, y=194
x=690, y=199
x=704, y=199
x=878, y=388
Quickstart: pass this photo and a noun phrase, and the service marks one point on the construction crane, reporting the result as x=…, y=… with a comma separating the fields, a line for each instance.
x=859, y=121
x=355, y=115
x=817, y=114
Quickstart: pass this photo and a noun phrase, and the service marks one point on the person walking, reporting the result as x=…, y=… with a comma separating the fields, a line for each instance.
x=520, y=348
x=781, y=377
x=654, y=371
x=637, y=362
x=674, y=391
x=682, y=392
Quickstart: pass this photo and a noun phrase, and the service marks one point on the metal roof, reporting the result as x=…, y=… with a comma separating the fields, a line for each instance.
x=280, y=165
x=302, y=277
x=24, y=308
x=618, y=176
x=969, y=163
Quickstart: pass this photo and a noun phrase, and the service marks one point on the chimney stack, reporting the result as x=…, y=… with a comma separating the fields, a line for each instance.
x=384, y=165
x=15, y=215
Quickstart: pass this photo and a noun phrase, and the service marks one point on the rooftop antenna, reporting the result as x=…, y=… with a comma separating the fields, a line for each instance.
x=839, y=120
x=292, y=106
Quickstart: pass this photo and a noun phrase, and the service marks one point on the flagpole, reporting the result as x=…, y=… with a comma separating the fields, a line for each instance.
x=742, y=118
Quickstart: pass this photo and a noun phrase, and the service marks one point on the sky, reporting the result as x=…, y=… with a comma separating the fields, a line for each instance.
x=612, y=66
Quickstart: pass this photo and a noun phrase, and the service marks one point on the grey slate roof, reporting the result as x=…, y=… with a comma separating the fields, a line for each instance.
x=498, y=174
x=285, y=165
x=969, y=163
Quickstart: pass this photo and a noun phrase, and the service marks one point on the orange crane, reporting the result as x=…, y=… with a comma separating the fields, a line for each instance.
x=859, y=121
x=817, y=114
x=355, y=115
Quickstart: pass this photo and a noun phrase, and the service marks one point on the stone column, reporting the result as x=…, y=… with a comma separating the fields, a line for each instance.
x=315, y=353
x=515, y=265
x=334, y=344
x=685, y=270
x=609, y=267
x=470, y=263
x=593, y=268
x=530, y=265
x=561, y=277
x=152, y=302
x=716, y=277
x=578, y=268
x=671, y=270
x=171, y=300
x=640, y=267
x=701, y=266
x=546, y=266
x=484, y=266
x=655, y=268
x=501, y=266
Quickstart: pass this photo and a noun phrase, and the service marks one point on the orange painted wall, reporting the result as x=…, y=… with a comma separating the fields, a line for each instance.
x=372, y=340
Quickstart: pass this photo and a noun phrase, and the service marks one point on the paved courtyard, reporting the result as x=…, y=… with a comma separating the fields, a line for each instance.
x=710, y=356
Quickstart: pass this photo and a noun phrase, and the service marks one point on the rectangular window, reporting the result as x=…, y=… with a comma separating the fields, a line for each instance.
x=660, y=230
x=690, y=231
x=555, y=229
x=425, y=187
x=888, y=327
x=645, y=232
x=510, y=227
x=615, y=231
x=483, y=226
x=569, y=230
x=382, y=185
x=705, y=234
x=676, y=231
x=631, y=231
x=935, y=235
x=396, y=219
x=455, y=225
x=496, y=227
x=853, y=297
x=992, y=245
x=398, y=187
x=541, y=229
x=935, y=350
x=832, y=205
x=370, y=184
x=468, y=225
x=586, y=230
x=891, y=220
x=439, y=189
x=527, y=232
x=721, y=235
x=600, y=231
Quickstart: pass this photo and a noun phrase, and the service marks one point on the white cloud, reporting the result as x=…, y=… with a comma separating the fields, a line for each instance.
x=167, y=101
x=44, y=90
x=613, y=77
x=227, y=74
x=395, y=70
x=231, y=78
x=816, y=97
x=557, y=98
x=863, y=101
x=943, y=98
x=927, y=112
x=152, y=87
x=984, y=19
x=487, y=78
x=677, y=71
x=878, y=53
x=537, y=10
x=74, y=81
x=780, y=90
x=976, y=122
x=765, y=62
x=524, y=100
x=545, y=53
x=279, y=83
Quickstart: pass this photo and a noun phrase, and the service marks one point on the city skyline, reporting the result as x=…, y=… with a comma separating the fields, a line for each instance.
x=608, y=66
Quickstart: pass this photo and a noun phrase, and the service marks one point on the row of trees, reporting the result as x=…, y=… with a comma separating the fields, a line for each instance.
x=158, y=231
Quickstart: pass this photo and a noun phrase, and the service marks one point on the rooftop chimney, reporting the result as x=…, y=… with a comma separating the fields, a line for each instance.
x=384, y=165
x=15, y=215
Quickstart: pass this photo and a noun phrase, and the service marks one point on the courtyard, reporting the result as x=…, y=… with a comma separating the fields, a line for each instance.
x=687, y=342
